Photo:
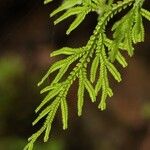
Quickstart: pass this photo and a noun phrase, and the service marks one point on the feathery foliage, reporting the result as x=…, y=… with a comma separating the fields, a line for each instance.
x=100, y=51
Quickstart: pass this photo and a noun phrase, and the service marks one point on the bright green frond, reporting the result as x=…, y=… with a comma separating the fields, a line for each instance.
x=64, y=111
x=48, y=97
x=66, y=5
x=114, y=71
x=94, y=67
x=70, y=12
x=100, y=53
x=50, y=118
x=63, y=51
x=80, y=96
x=80, y=17
x=145, y=13
x=121, y=60
x=90, y=89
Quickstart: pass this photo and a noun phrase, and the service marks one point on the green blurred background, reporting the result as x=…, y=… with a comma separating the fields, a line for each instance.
x=27, y=36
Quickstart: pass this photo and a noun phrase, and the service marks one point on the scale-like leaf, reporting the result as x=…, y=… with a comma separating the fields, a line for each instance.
x=98, y=85
x=138, y=29
x=50, y=118
x=64, y=111
x=50, y=87
x=102, y=104
x=60, y=74
x=80, y=96
x=114, y=71
x=121, y=60
x=48, y=129
x=57, y=65
x=109, y=92
x=94, y=69
x=90, y=89
x=49, y=96
x=128, y=44
x=145, y=13
x=80, y=17
x=64, y=51
x=70, y=12
x=42, y=114
x=66, y=5
x=114, y=51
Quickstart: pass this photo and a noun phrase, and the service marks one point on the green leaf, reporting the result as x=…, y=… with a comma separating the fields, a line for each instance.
x=64, y=111
x=128, y=44
x=50, y=118
x=90, y=89
x=138, y=29
x=114, y=51
x=145, y=13
x=42, y=114
x=66, y=5
x=29, y=146
x=70, y=12
x=64, y=51
x=102, y=104
x=60, y=74
x=36, y=135
x=48, y=97
x=121, y=60
x=80, y=17
x=57, y=65
x=48, y=129
x=50, y=87
x=98, y=85
x=109, y=92
x=33, y=138
x=80, y=96
x=100, y=81
x=94, y=69
x=114, y=71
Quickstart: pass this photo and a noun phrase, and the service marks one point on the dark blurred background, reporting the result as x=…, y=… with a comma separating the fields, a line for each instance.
x=27, y=36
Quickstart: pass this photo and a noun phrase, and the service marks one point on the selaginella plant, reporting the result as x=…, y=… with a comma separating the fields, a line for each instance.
x=100, y=52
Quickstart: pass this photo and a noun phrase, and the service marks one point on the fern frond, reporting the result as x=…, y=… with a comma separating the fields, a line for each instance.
x=90, y=90
x=145, y=13
x=64, y=110
x=33, y=138
x=50, y=87
x=50, y=118
x=80, y=17
x=42, y=114
x=138, y=29
x=59, y=65
x=121, y=60
x=63, y=51
x=94, y=69
x=48, y=97
x=70, y=12
x=66, y=5
x=81, y=90
x=80, y=8
x=100, y=52
x=114, y=71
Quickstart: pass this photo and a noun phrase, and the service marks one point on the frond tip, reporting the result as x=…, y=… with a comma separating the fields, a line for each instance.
x=100, y=53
